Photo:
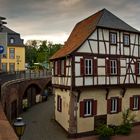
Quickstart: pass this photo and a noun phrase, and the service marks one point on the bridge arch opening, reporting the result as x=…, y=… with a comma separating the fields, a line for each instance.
x=31, y=96
x=47, y=90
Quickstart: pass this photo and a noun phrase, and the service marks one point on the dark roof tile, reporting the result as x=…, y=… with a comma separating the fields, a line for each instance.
x=85, y=28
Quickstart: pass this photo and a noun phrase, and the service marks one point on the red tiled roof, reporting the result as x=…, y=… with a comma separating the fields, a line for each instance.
x=79, y=34
x=86, y=27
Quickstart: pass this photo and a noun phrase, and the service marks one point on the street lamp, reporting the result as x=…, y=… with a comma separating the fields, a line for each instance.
x=19, y=127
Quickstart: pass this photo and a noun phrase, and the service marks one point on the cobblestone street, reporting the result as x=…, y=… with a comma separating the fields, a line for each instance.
x=41, y=124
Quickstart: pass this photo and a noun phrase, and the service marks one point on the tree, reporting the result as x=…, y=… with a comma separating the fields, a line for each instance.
x=30, y=55
x=40, y=52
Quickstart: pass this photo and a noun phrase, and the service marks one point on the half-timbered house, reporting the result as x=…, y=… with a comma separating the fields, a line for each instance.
x=96, y=75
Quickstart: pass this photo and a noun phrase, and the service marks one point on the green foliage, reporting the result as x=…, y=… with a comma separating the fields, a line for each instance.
x=127, y=116
x=104, y=130
x=30, y=55
x=124, y=129
x=39, y=53
x=126, y=126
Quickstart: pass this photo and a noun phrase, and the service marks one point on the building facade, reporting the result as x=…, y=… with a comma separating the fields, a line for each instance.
x=13, y=57
x=96, y=75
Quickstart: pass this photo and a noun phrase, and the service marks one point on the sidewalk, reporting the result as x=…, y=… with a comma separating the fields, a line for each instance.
x=135, y=135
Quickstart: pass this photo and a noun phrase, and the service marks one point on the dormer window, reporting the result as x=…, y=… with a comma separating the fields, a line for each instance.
x=113, y=38
x=126, y=40
x=12, y=40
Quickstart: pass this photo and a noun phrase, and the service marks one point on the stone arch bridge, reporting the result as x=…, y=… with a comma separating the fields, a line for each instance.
x=14, y=92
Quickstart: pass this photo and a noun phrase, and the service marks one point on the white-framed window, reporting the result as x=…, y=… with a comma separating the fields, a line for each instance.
x=62, y=67
x=114, y=105
x=113, y=67
x=126, y=40
x=12, y=40
x=87, y=107
x=113, y=38
x=88, y=67
x=135, y=102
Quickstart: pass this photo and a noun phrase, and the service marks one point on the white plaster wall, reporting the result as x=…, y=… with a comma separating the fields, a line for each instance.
x=126, y=51
x=123, y=62
x=84, y=48
x=77, y=58
x=101, y=80
x=94, y=35
x=123, y=71
x=113, y=80
x=122, y=79
x=95, y=80
x=88, y=80
x=113, y=49
x=79, y=81
x=101, y=62
x=94, y=46
x=101, y=71
x=101, y=48
x=77, y=69
x=136, y=51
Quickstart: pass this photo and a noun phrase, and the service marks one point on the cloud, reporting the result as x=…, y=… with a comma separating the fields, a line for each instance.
x=55, y=17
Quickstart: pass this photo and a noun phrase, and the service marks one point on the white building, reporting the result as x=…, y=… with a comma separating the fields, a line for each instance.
x=96, y=75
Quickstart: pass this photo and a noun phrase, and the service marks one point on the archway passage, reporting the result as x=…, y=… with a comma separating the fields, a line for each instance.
x=30, y=96
x=47, y=91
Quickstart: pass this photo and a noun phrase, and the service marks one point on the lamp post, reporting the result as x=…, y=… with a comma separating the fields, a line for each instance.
x=19, y=127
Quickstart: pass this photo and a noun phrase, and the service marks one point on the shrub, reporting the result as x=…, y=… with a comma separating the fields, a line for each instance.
x=104, y=130
x=124, y=129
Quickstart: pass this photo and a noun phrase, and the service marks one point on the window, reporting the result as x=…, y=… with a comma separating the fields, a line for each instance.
x=88, y=66
x=12, y=67
x=135, y=102
x=59, y=103
x=137, y=68
x=113, y=67
x=12, y=40
x=126, y=40
x=88, y=108
x=11, y=53
x=4, y=67
x=113, y=38
x=114, y=104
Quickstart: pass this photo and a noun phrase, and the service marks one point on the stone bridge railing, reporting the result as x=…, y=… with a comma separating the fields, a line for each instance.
x=13, y=86
x=28, y=74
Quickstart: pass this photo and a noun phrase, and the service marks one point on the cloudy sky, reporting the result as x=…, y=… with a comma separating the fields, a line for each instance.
x=53, y=20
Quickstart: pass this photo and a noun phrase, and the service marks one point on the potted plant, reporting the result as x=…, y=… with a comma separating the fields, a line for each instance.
x=104, y=132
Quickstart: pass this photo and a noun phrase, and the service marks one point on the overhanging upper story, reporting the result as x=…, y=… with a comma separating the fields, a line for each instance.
x=101, y=50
